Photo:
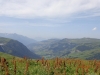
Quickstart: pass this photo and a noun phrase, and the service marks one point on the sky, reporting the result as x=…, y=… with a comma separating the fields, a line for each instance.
x=51, y=18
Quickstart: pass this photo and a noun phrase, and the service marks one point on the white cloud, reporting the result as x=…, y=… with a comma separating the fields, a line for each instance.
x=95, y=28
x=48, y=8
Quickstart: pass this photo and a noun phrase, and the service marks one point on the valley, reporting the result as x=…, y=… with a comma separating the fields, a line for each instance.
x=84, y=48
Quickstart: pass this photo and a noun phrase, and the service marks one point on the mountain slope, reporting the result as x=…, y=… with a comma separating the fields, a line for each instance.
x=23, y=39
x=5, y=55
x=15, y=48
x=86, y=48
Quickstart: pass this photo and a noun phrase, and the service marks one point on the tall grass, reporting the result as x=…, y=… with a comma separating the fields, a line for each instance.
x=57, y=66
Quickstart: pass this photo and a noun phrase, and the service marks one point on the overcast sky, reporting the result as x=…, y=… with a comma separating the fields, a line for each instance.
x=51, y=18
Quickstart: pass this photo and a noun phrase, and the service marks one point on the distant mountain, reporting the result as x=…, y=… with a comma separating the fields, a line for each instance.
x=15, y=48
x=23, y=39
x=40, y=38
x=86, y=48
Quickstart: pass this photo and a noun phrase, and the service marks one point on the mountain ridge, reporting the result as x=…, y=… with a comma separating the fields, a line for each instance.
x=23, y=39
x=15, y=48
x=73, y=48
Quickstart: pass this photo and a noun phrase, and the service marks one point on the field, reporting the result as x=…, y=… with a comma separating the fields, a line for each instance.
x=57, y=66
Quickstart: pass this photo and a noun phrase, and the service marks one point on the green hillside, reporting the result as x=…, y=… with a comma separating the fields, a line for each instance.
x=5, y=55
x=87, y=48
x=15, y=48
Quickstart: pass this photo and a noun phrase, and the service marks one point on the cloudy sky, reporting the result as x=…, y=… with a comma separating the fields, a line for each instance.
x=51, y=18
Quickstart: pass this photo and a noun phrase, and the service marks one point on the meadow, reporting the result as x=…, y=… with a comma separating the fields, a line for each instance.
x=56, y=66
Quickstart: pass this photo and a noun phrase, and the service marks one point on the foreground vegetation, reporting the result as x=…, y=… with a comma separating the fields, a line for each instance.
x=57, y=66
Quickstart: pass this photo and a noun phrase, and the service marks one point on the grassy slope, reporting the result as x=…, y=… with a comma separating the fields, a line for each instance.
x=85, y=54
x=7, y=56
